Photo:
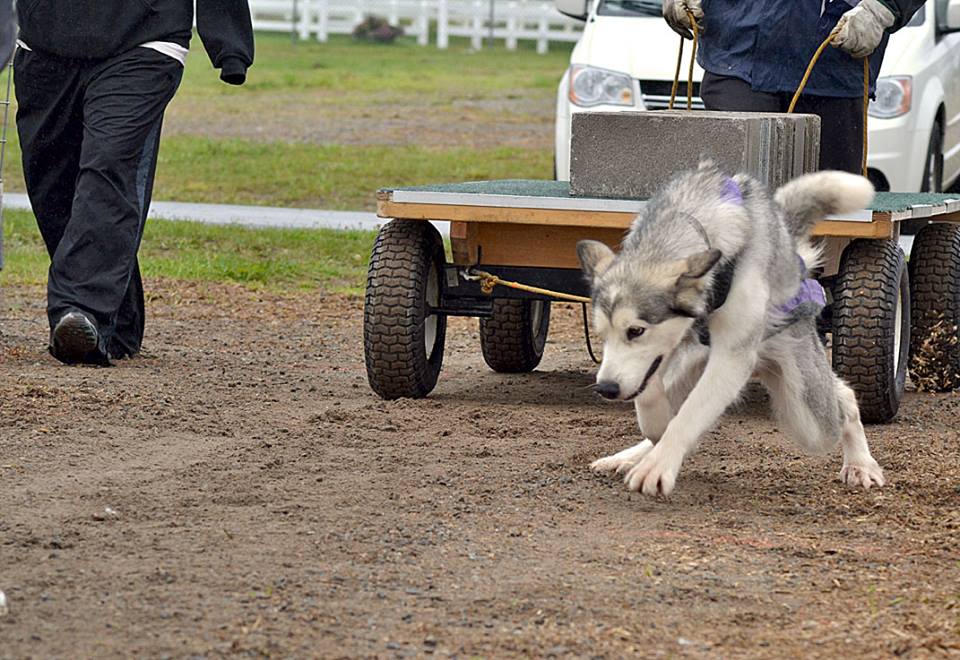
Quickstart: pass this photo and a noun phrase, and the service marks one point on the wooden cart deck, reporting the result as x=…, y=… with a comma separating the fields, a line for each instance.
x=537, y=223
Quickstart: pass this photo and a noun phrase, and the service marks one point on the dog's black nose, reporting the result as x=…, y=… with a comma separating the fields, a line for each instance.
x=607, y=389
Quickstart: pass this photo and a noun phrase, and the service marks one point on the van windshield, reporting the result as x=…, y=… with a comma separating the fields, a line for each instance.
x=630, y=8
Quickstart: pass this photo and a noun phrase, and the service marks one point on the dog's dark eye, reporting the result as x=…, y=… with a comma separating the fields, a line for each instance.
x=634, y=332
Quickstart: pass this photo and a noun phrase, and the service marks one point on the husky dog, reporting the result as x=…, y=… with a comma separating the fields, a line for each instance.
x=708, y=290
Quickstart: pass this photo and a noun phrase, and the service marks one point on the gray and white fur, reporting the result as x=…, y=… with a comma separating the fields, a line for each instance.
x=694, y=242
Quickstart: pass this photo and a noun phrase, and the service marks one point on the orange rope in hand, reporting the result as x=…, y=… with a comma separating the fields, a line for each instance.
x=676, y=76
x=866, y=92
x=693, y=58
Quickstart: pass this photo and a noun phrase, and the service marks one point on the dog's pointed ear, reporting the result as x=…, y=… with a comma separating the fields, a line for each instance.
x=700, y=264
x=707, y=164
x=689, y=298
x=595, y=258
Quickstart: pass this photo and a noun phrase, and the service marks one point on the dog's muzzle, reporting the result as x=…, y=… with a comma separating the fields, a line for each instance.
x=610, y=390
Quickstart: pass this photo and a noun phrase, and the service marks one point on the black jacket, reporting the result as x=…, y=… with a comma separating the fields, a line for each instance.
x=8, y=31
x=96, y=29
x=903, y=11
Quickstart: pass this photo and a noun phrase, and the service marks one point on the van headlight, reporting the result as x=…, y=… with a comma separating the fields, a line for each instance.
x=893, y=97
x=591, y=86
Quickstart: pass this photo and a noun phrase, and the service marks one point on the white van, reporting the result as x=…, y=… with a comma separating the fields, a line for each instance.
x=626, y=57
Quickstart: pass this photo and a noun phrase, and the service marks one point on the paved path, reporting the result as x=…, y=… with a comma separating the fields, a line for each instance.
x=248, y=216
x=271, y=216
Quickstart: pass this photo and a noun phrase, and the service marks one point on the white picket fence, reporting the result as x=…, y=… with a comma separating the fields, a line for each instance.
x=513, y=20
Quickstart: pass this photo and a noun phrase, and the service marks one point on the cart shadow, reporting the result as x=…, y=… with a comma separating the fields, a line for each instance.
x=538, y=387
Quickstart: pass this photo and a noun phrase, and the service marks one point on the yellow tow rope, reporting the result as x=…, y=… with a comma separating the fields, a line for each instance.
x=693, y=58
x=796, y=96
x=489, y=280
x=866, y=92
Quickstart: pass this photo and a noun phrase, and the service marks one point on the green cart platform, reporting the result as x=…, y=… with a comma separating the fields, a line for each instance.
x=879, y=307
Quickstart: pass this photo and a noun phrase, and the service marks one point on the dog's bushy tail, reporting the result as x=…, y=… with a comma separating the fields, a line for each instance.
x=811, y=197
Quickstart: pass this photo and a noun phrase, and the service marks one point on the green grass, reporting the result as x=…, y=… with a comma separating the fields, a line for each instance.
x=314, y=176
x=220, y=146
x=331, y=260
x=349, y=70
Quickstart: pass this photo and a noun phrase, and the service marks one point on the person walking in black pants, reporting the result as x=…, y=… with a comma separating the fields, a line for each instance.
x=93, y=80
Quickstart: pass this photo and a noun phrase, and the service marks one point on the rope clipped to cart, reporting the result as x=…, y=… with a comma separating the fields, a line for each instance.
x=488, y=281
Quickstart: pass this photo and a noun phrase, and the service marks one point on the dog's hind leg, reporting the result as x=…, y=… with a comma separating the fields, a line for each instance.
x=812, y=405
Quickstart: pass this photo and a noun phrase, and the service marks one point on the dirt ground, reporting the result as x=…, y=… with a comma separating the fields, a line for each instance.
x=240, y=491
x=513, y=121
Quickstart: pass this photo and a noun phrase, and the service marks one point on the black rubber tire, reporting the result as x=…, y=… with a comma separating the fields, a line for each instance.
x=873, y=276
x=404, y=282
x=513, y=339
x=935, y=297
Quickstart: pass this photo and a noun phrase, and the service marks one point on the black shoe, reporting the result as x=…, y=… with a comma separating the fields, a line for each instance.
x=75, y=340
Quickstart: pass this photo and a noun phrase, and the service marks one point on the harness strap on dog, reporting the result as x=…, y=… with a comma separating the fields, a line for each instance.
x=810, y=292
x=808, y=302
x=716, y=297
x=723, y=276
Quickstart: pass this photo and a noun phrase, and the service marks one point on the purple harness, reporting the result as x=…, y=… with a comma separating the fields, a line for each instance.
x=731, y=192
x=810, y=292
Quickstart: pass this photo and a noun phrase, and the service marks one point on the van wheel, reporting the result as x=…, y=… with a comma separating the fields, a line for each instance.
x=933, y=169
x=403, y=336
x=871, y=325
x=513, y=339
x=935, y=295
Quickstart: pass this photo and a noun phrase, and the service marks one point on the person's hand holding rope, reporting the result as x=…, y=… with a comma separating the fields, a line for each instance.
x=677, y=14
x=860, y=30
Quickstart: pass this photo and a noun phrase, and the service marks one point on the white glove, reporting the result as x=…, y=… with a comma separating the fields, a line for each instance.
x=861, y=29
x=675, y=13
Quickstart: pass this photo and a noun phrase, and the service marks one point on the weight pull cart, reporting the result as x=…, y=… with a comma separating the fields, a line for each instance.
x=879, y=308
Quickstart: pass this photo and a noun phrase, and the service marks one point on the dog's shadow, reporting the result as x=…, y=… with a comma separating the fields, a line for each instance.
x=562, y=387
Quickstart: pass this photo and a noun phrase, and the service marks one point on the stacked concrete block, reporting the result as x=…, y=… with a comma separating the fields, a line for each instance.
x=631, y=155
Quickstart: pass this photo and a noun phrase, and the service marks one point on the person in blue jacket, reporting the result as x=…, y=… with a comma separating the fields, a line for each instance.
x=93, y=80
x=754, y=54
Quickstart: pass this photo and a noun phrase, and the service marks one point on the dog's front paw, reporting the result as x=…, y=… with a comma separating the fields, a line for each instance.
x=656, y=473
x=622, y=460
x=866, y=475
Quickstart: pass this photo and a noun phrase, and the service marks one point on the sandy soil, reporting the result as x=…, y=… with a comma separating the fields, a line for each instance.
x=240, y=491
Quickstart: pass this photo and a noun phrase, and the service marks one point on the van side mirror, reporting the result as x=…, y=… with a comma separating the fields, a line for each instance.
x=949, y=20
x=579, y=9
